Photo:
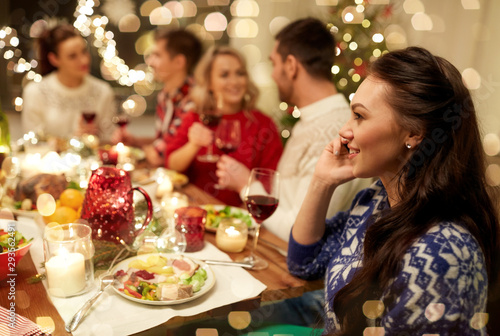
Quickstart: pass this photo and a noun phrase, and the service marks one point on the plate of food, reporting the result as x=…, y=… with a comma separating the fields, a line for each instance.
x=215, y=213
x=147, y=176
x=162, y=279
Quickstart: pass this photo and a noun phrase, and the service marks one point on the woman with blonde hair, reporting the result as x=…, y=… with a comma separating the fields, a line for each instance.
x=223, y=91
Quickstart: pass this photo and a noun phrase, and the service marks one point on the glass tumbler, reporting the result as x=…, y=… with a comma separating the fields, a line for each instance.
x=69, y=252
x=190, y=221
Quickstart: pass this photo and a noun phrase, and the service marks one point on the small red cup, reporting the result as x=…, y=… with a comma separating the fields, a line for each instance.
x=191, y=222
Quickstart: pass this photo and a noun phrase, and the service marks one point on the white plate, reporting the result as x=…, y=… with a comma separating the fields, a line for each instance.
x=25, y=213
x=219, y=207
x=209, y=282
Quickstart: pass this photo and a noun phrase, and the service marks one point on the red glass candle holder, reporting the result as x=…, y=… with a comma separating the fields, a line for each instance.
x=108, y=156
x=191, y=222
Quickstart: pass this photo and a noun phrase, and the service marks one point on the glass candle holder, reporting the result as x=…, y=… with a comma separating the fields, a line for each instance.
x=68, y=251
x=171, y=202
x=232, y=235
x=190, y=221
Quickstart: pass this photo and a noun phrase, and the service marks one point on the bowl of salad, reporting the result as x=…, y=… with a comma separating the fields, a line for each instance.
x=14, y=246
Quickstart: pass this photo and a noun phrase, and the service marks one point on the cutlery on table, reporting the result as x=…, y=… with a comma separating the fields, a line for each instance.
x=106, y=280
x=77, y=318
x=229, y=263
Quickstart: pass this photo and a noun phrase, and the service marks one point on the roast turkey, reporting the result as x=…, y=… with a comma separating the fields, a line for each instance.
x=39, y=184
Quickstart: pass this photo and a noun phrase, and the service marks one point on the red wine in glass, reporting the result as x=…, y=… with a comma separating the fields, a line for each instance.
x=121, y=120
x=227, y=148
x=261, y=207
x=88, y=116
x=210, y=120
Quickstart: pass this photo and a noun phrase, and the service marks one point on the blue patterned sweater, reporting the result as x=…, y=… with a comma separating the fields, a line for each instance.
x=441, y=288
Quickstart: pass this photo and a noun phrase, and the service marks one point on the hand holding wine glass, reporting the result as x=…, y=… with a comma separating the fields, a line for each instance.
x=261, y=199
x=209, y=119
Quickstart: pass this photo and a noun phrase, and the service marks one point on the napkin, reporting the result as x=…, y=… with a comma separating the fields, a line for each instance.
x=115, y=315
x=14, y=324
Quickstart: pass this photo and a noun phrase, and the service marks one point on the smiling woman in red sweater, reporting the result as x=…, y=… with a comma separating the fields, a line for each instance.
x=223, y=84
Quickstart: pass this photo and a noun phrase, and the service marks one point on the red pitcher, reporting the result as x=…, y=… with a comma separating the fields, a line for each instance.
x=109, y=208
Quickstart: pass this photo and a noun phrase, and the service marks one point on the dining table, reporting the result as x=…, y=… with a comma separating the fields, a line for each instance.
x=33, y=301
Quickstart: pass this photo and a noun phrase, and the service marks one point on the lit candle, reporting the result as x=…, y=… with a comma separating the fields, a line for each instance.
x=172, y=202
x=231, y=238
x=65, y=273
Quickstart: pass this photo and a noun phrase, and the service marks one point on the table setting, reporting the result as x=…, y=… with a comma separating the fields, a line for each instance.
x=121, y=218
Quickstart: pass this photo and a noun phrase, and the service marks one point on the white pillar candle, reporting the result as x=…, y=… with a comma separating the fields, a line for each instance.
x=170, y=203
x=230, y=239
x=65, y=274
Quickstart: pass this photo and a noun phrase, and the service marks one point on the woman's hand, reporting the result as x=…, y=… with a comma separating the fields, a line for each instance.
x=334, y=166
x=232, y=174
x=200, y=135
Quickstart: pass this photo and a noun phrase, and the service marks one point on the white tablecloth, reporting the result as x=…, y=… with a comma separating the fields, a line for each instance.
x=114, y=315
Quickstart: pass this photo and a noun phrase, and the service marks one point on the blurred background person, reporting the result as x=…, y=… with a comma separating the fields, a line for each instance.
x=173, y=59
x=58, y=105
x=223, y=89
x=302, y=59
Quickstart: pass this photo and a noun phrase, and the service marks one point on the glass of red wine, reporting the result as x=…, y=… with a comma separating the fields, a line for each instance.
x=227, y=138
x=88, y=116
x=261, y=199
x=211, y=120
x=121, y=120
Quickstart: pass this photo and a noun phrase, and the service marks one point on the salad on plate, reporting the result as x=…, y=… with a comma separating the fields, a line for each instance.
x=159, y=279
x=216, y=213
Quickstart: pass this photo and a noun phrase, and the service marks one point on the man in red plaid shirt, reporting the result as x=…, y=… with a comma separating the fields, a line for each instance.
x=173, y=59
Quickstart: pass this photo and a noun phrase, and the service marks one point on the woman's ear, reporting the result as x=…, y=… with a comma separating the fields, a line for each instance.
x=413, y=140
x=53, y=59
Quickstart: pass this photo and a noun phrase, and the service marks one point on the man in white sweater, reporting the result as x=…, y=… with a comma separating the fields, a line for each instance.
x=302, y=59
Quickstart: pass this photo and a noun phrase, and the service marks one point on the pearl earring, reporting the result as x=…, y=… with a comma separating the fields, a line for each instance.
x=408, y=146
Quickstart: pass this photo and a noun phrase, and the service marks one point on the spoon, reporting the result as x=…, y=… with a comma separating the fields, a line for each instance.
x=80, y=314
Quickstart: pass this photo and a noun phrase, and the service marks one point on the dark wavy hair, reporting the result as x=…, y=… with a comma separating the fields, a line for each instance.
x=311, y=43
x=49, y=41
x=444, y=179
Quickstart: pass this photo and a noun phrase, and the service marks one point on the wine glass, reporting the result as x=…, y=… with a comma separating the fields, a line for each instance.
x=261, y=199
x=88, y=116
x=211, y=120
x=121, y=120
x=227, y=138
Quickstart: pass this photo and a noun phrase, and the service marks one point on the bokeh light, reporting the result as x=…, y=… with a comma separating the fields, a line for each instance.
x=421, y=21
x=239, y=319
x=373, y=308
x=129, y=23
x=175, y=8
x=491, y=144
x=190, y=8
x=327, y=2
x=245, y=8
x=243, y=28
x=46, y=204
x=395, y=37
x=160, y=16
x=471, y=79
x=413, y=6
x=351, y=16
x=471, y=4
x=148, y=6
x=215, y=22
x=277, y=24
x=434, y=311
x=252, y=54
x=493, y=175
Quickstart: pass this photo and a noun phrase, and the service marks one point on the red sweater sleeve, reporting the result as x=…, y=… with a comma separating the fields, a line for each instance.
x=180, y=138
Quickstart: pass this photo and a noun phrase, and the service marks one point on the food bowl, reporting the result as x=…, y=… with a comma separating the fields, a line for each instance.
x=7, y=266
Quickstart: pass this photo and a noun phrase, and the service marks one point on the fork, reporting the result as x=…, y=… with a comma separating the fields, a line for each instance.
x=106, y=280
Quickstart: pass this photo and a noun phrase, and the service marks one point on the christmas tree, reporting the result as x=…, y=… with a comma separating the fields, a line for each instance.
x=358, y=27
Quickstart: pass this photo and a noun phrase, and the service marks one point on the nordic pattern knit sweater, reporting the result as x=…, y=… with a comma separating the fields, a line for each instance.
x=441, y=288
